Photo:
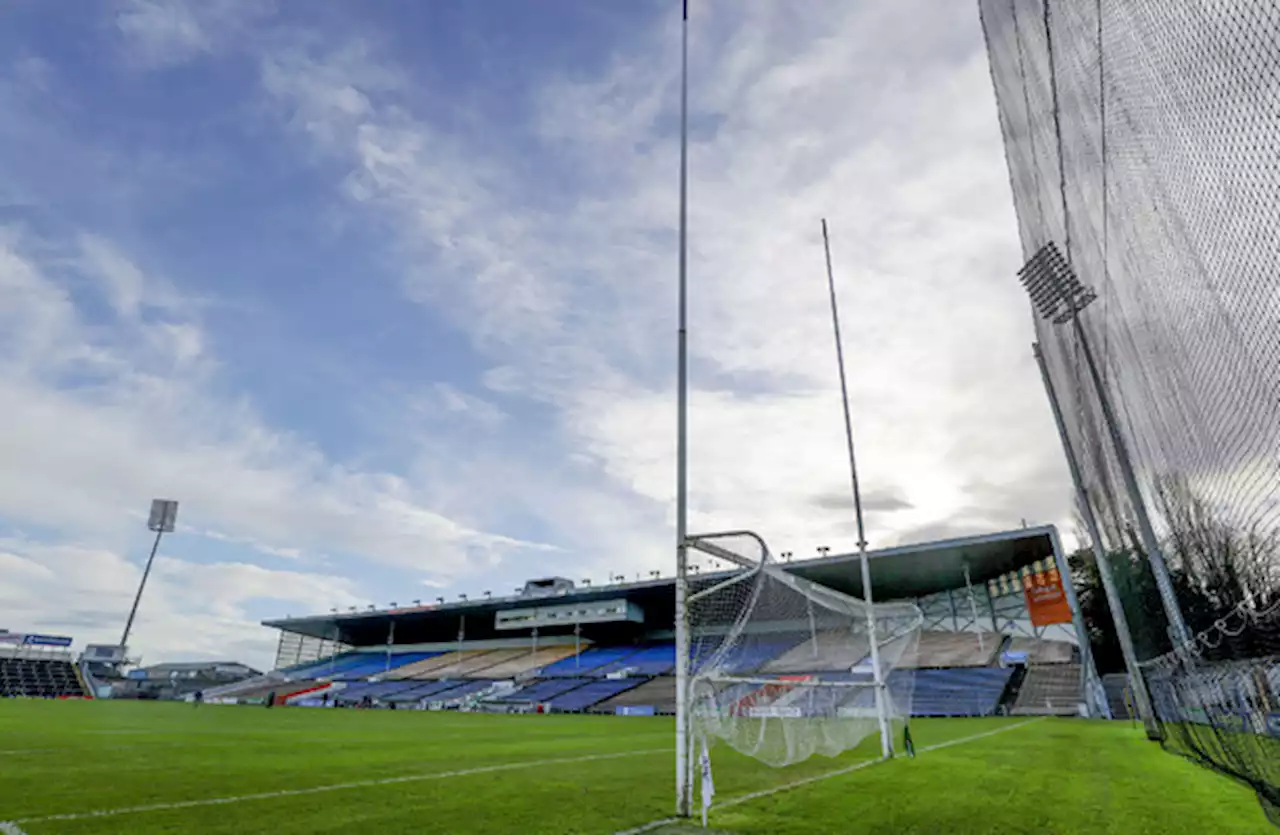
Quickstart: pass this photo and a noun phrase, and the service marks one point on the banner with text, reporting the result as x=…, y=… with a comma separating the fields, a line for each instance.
x=1046, y=601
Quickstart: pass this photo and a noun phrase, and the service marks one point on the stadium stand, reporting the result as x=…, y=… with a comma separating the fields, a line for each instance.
x=434, y=667
x=825, y=651
x=1116, y=686
x=1049, y=691
x=369, y=664
x=378, y=690
x=328, y=667
x=542, y=691
x=40, y=678
x=955, y=649
x=530, y=661
x=471, y=687
x=658, y=693
x=587, y=662
x=591, y=694
x=974, y=691
x=1043, y=652
x=420, y=690
x=654, y=660
x=476, y=664
x=282, y=689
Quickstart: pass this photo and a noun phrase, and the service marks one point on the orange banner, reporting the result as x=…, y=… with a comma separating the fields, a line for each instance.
x=1046, y=601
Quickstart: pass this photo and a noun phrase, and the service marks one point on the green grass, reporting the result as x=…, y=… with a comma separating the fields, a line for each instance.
x=1051, y=776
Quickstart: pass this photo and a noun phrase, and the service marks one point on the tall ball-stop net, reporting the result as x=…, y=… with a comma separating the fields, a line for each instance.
x=781, y=666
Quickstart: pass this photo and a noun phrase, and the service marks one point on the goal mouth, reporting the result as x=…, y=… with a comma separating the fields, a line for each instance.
x=782, y=668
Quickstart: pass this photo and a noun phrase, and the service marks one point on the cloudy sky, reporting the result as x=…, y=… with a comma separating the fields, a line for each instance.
x=384, y=293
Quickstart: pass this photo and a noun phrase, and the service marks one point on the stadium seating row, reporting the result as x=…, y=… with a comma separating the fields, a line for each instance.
x=972, y=691
x=1049, y=691
x=39, y=678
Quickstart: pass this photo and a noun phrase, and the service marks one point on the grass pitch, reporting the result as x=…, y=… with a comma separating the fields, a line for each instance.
x=75, y=768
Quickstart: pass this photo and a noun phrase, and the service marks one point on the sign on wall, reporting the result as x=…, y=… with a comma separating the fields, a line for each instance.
x=34, y=640
x=1046, y=601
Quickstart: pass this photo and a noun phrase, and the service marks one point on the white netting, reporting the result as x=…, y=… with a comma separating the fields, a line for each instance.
x=781, y=667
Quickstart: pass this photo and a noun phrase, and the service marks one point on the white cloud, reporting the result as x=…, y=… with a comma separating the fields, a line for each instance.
x=161, y=33
x=854, y=112
x=190, y=610
x=101, y=416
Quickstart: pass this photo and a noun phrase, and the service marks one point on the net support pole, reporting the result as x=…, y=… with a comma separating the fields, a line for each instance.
x=1159, y=568
x=882, y=716
x=1094, y=701
x=684, y=782
x=1123, y=635
x=973, y=608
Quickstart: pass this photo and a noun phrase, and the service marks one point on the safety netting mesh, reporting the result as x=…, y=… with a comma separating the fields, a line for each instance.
x=1142, y=139
x=782, y=667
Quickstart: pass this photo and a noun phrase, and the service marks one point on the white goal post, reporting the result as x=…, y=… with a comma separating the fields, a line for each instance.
x=778, y=667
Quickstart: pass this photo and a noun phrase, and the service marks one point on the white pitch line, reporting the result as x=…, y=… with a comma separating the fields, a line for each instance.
x=828, y=775
x=358, y=784
x=647, y=827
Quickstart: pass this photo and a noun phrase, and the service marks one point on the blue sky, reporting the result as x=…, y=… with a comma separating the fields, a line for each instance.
x=383, y=293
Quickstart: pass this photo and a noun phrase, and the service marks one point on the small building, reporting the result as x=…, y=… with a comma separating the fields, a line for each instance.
x=175, y=680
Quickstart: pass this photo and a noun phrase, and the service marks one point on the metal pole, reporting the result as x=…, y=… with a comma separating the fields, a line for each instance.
x=391, y=639
x=146, y=572
x=684, y=785
x=973, y=609
x=1092, y=684
x=886, y=736
x=1136, y=679
x=1181, y=635
x=991, y=607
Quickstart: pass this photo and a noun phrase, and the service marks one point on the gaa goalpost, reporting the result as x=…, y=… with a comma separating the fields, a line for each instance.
x=778, y=667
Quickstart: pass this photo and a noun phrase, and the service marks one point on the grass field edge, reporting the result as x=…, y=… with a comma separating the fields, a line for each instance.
x=828, y=775
x=347, y=786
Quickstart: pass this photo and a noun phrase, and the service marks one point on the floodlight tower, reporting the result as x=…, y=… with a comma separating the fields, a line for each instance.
x=163, y=518
x=1059, y=297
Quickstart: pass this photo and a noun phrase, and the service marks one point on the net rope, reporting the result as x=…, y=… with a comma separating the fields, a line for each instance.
x=780, y=667
x=1141, y=139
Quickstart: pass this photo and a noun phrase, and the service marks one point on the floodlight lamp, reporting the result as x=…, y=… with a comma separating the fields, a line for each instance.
x=440, y=600
x=1051, y=283
x=164, y=515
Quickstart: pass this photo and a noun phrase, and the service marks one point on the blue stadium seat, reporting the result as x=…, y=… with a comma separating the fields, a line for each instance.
x=751, y=653
x=586, y=662
x=592, y=693
x=965, y=691
x=463, y=688
x=355, y=665
x=649, y=661
x=371, y=664
x=375, y=690
x=419, y=690
x=542, y=691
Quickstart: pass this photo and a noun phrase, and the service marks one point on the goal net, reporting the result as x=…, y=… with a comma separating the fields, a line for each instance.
x=781, y=667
